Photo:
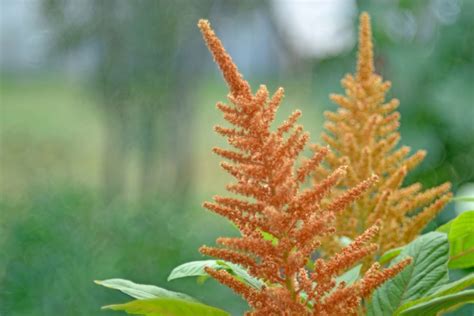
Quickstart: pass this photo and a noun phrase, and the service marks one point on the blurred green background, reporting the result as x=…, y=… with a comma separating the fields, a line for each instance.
x=106, y=122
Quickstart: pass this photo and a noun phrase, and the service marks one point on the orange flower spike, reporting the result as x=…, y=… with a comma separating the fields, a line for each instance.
x=237, y=85
x=338, y=301
x=352, y=194
x=365, y=65
x=364, y=133
x=309, y=165
x=272, y=200
x=374, y=277
x=414, y=225
x=252, y=296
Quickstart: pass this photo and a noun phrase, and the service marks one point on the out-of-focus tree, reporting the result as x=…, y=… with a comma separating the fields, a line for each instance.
x=145, y=70
x=142, y=77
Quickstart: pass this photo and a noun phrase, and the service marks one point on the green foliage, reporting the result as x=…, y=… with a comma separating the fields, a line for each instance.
x=196, y=269
x=432, y=307
x=446, y=290
x=422, y=288
x=390, y=254
x=156, y=301
x=461, y=240
x=427, y=271
x=193, y=268
x=142, y=291
x=167, y=307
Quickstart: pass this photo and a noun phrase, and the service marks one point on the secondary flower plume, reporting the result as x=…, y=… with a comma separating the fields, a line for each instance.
x=281, y=219
x=363, y=134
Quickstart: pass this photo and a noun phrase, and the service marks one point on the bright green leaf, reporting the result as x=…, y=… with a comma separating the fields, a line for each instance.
x=422, y=277
x=444, y=290
x=461, y=241
x=167, y=307
x=433, y=307
x=193, y=268
x=456, y=286
x=142, y=291
x=390, y=254
x=445, y=228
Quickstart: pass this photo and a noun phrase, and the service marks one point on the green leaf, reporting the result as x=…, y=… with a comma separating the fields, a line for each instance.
x=422, y=277
x=350, y=276
x=142, y=291
x=445, y=228
x=193, y=268
x=433, y=307
x=456, y=286
x=167, y=307
x=444, y=290
x=196, y=268
x=461, y=241
x=390, y=254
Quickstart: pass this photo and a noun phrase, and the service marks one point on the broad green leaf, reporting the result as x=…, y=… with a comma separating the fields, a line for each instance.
x=461, y=241
x=422, y=277
x=142, y=291
x=433, y=307
x=390, y=254
x=447, y=289
x=196, y=268
x=350, y=276
x=193, y=268
x=456, y=286
x=167, y=307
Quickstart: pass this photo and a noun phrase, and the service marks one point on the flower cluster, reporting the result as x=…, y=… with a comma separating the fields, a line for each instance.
x=363, y=134
x=282, y=220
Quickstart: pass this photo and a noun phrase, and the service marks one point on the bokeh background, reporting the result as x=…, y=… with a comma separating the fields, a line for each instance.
x=106, y=119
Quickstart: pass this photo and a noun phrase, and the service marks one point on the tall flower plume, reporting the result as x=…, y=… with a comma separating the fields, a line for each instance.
x=274, y=202
x=364, y=136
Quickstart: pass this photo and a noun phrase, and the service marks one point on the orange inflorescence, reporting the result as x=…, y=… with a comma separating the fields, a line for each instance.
x=282, y=223
x=363, y=134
